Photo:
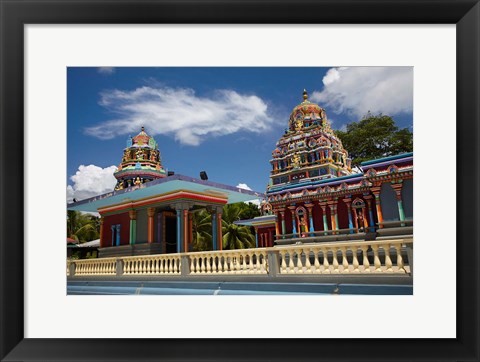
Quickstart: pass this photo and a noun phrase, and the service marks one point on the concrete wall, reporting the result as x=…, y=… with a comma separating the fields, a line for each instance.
x=407, y=198
x=142, y=226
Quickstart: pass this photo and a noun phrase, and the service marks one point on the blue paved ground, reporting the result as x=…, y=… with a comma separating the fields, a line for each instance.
x=96, y=287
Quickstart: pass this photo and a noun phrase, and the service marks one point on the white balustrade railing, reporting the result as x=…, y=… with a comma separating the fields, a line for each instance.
x=102, y=266
x=344, y=257
x=240, y=261
x=355, y=257
x=159, y=264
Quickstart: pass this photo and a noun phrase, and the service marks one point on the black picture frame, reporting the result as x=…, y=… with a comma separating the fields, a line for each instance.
x=15, y=14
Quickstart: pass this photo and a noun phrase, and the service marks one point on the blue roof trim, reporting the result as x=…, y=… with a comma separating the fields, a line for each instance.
x=257, y=219
x=144, y=187
x=389, y=158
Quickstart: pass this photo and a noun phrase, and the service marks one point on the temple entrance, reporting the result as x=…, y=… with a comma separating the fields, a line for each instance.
x=170, y=233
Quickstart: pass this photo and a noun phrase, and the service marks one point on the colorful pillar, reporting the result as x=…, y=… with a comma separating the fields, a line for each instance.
x=398, y=192
x=219, y=230
x=282, y=213
x=150, y=230
x=294, y=228
x=277, y=226
x=190, y=229
x=310, y=216
x=376, y=192
x=214, y=230
x=179, y=229
x=102, y=234
x=186, y=232
x=114, y=234
x=118, y=234
x=133, y=226
x=370, y=212
x=348, y=202
x=256, y=237
x=333, y=215
x=325, y=221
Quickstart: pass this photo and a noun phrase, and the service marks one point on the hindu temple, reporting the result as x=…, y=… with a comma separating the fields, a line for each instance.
x=150, y=211
x=314, y=194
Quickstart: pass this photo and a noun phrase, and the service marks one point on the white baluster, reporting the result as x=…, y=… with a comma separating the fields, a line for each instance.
x=366, y=263
x=388, y=260
x=376, y=259
x=398, y=249
x=344, y=260
x=326, y=265
x=355, y=260
x=335, y=261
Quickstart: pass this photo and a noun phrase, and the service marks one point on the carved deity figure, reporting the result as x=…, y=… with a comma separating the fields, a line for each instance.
x=303, y=226
x=296, y=161
x=298, y=124
x=153, y=155
x=137, y=181
x=139, y=155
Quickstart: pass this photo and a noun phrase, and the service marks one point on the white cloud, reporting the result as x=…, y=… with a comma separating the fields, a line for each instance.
x=106, y=70
x=181, y=114
x=90, y=181
x=357, y=90
x=246, y=187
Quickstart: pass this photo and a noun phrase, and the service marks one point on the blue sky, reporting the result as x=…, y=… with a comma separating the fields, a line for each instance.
x=225, y=121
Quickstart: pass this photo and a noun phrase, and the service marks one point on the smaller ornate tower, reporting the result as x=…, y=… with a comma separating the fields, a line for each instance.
x=309, y=149
x=141, y=162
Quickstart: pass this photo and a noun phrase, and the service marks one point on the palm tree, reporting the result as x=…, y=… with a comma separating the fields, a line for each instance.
x=82, y=227
x=202, y=231
x=236, y=236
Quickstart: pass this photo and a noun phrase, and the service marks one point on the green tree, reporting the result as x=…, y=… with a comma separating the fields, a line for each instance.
x=202, y=230
x=375, y=136
x=82, y=227
x=238, y=236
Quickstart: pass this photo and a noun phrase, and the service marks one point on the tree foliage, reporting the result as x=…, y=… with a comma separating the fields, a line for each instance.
x=375, y=136
x=82, y=227
x=234, y=236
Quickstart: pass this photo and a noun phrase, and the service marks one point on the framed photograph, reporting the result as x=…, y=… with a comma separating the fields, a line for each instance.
x=43, y=41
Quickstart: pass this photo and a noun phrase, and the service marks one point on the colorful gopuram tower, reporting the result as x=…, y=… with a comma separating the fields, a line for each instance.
x=141, y=162
x=309, y=149
x=314, y=194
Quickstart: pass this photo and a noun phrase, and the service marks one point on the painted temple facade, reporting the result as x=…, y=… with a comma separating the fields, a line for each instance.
x=314, y=194
x=150, y=211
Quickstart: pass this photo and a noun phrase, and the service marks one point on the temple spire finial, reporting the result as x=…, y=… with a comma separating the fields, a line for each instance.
x=305, y=95
x=143, y=129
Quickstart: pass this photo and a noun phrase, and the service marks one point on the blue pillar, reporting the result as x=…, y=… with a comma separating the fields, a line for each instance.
x=113, y=235
x=118, y=234
x=350, y=221
x=256, y=238
x=311, y=224
x=214, y=230
x=179, y=230
x=294, y=229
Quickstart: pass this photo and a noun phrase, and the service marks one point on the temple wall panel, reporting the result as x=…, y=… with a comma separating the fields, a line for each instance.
x=288, y=221
x=120, y=219
x=317, y=217
x=142, y=226
x=407, y=198
x=342, y=215
x=389, y=203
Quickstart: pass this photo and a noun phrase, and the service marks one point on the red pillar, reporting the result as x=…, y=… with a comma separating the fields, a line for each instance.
x=219, y=231
x=102, y=234
x=150, y=230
